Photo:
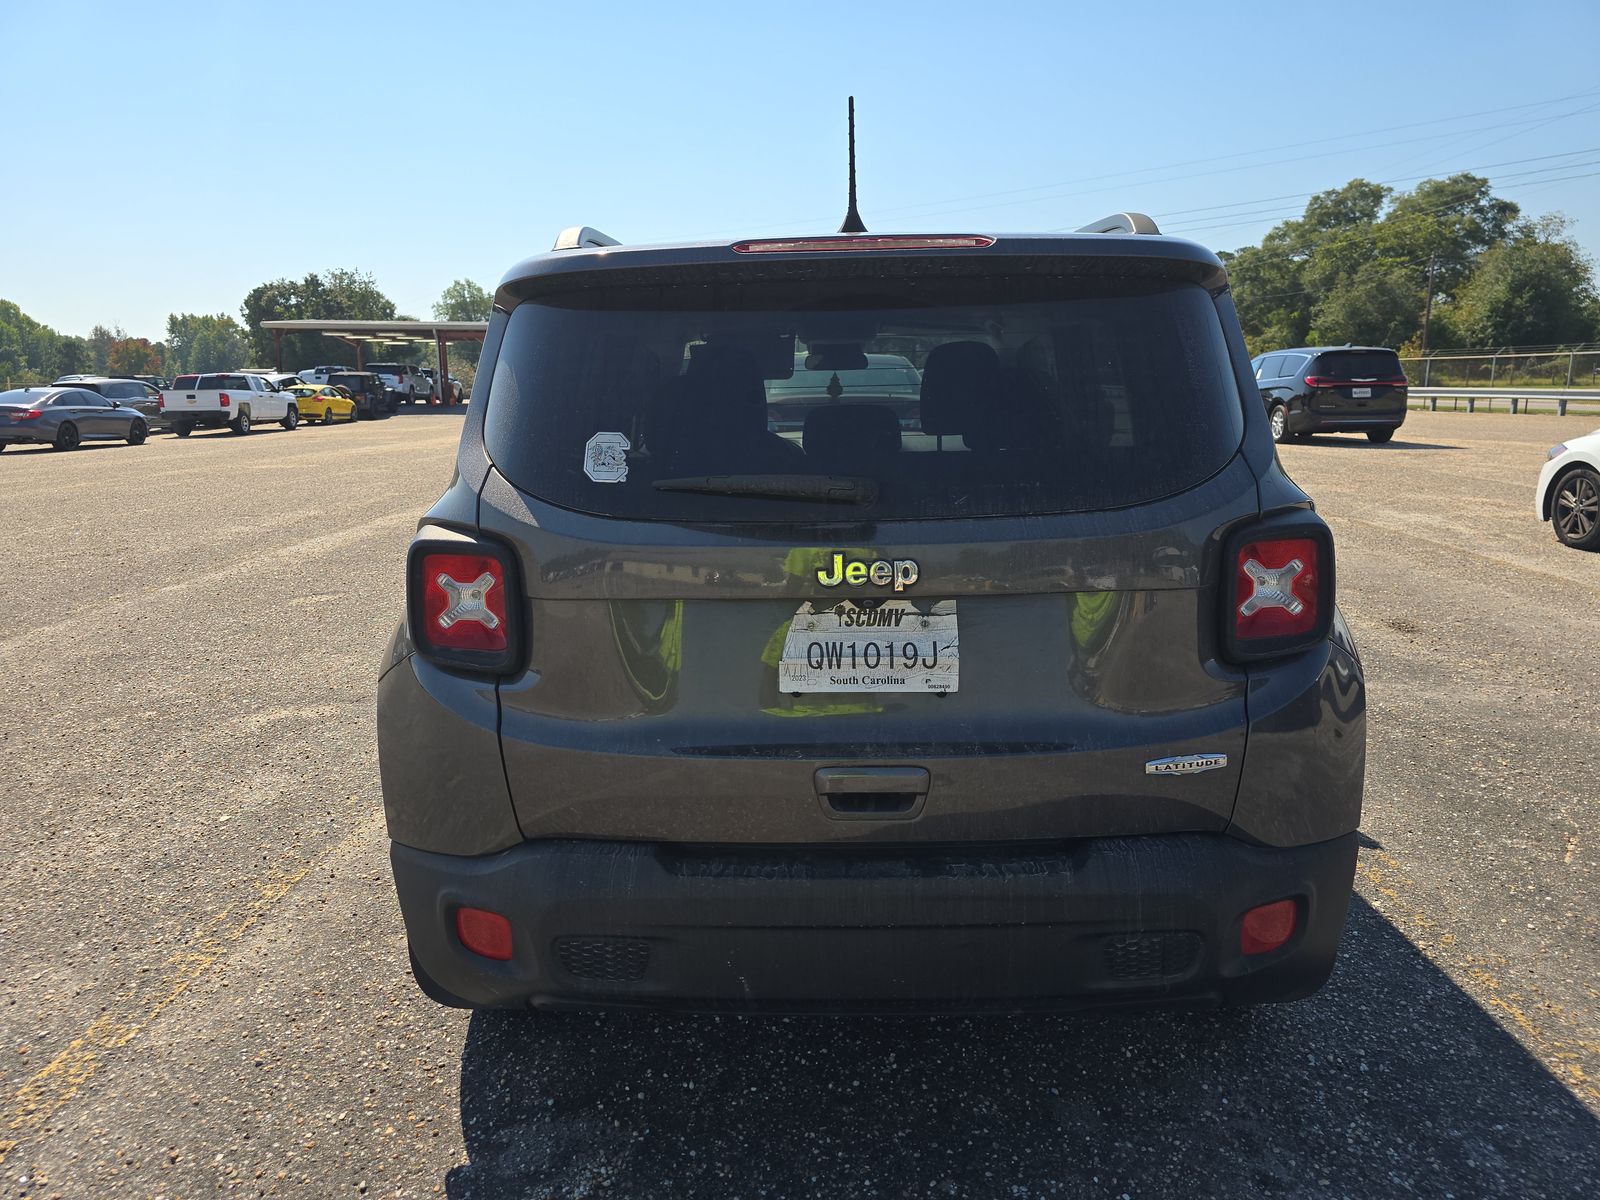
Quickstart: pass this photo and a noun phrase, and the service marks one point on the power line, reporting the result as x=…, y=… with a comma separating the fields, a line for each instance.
x=1510, y=162
x=1271, y=214
x=1354, y=235
x=936, y=207
x=1212, y=158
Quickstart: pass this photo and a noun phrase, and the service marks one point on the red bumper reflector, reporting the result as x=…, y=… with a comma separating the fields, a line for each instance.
x=484, y=932
x=1266, y=927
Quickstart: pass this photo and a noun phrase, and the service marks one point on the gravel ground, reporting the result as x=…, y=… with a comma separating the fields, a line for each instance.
x=202, y=972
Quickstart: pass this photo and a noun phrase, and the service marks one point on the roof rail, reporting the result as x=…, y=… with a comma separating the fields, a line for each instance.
x=582, y=237
x=1123, y=222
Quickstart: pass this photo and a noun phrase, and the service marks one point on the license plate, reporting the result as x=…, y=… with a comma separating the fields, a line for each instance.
x=1361, y=393
x=891, y=646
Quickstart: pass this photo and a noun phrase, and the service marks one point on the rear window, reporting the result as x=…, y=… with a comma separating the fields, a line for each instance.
x=222, y=383
x=953, y=398
x=184, y=382
x=1359, y=364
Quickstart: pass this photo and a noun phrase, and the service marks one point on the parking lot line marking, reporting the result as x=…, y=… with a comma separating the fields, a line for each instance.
x=1563, y=1056
x=56, y=1083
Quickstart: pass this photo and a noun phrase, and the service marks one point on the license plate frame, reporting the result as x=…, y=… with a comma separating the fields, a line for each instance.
x=1362, y=393
x=888, y=646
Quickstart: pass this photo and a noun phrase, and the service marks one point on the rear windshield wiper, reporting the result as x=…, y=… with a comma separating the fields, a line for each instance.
x=837, y=489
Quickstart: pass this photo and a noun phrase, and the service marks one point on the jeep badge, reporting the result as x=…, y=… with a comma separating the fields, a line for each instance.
x=902, y=572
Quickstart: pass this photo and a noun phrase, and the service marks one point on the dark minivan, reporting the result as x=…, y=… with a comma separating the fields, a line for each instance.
x=1332, y=389
x=372, y=397
x=1030, y=695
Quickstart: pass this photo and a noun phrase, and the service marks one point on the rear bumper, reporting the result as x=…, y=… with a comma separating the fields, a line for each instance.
x=1092, y=922
x=199, y=420
x=1334, y=422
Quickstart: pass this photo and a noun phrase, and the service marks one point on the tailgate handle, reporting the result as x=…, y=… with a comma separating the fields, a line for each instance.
x=872, y=793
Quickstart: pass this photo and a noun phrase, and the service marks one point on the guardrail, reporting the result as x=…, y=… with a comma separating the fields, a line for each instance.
x=1520, y=399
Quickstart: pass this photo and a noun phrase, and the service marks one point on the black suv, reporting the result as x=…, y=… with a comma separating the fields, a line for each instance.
x=1032, y=693
x=373, y=398
x=1332, y=389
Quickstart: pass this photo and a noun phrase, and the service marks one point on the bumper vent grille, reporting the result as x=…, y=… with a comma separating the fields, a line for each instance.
x=611, y=960
x=1150, y=956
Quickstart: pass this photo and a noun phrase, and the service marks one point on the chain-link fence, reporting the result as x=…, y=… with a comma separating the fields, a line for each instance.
x=1519, y=369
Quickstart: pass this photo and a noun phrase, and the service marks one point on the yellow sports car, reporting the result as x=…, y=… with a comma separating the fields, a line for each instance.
x=325, y=404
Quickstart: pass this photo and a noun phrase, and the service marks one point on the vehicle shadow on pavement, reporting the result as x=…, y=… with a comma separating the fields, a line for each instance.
x=1391, y=1080
x=1353, y=443
x=21, y=450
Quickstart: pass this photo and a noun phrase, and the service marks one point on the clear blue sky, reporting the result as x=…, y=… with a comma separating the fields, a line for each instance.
x=169, y=157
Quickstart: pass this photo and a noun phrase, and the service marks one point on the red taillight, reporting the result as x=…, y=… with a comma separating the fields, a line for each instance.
x=963, y=241
x=1278, y=589
x=1326, y=381
x=484, y=932
x=1277, y=592
x=161, y=402
x=464, y=602
x=33, y=414
x=223, y=399
x=1264, y=928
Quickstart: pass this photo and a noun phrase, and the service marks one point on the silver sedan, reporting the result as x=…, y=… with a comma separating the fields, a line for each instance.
x=65, y=417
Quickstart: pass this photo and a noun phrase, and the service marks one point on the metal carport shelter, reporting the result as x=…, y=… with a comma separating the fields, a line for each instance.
x=361, y=334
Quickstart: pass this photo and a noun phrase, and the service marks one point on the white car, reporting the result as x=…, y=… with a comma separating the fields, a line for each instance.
x=1569, y=491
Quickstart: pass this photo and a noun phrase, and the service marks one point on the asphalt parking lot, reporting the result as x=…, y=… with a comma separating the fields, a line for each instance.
x=204, y=977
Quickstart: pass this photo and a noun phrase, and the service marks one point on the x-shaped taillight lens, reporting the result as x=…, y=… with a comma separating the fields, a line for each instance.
x=463, y=602
x=1277, y=589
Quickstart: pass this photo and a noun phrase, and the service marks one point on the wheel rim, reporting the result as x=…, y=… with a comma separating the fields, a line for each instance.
x=69, y=437
x=1280, y=423
x=1577, y=507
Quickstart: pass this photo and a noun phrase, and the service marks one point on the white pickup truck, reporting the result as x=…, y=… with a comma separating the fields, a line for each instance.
x=235, y=400
x=405, y=382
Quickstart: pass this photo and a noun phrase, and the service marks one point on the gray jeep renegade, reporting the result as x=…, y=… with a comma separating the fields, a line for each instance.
x=1005, y=676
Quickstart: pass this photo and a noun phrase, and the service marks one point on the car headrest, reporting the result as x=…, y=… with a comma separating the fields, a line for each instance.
x=850, y=434
x=724, y=388
x=959, y=384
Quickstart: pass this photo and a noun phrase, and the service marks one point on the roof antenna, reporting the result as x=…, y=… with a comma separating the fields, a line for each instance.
x=852, y=218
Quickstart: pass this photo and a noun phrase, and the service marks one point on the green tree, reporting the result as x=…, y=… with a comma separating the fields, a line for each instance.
x=101, y=340
x=204, y=342
x=133, y=356
x=1354, y=268
x=464, y=300
x=1377, y=304
x=1534, y=288
x=335, y=295
x=32, y=353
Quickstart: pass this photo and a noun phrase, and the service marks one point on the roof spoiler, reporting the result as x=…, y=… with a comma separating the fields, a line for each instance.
x=1123, y=222
x=583, y=237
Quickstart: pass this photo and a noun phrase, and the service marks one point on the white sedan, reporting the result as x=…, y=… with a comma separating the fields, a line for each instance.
x=1569, y=491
